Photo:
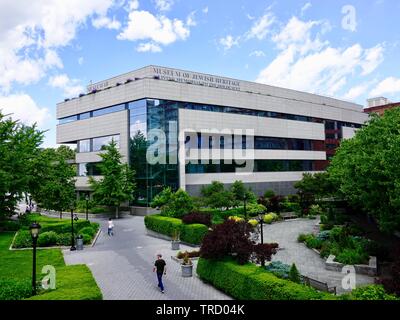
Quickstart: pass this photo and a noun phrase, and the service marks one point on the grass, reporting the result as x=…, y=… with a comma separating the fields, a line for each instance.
x=72, y=282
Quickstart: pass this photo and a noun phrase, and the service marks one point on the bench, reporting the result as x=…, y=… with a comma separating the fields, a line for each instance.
x=321, y=286
x=288, y=215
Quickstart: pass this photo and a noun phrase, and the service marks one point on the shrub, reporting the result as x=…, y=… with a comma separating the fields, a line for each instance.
x=291, y=207
x=323, y=235
x=294, y=274
x=11, y=289
x=254, y=209
x=369, y=292
x=9, y=225
x=312, y=242
x=352, y=256
x=88, y=230
x=228, y=238
x=269, y=194
x=249, y=282
x=193, y=233
x=86, y=238
x=47, y=239
x=64, y=239
x=215, y=195
x=236, y=218
x=264, y=252
x=178, y=205
x=279, y=269
x=23, y=239
x=191, y=254
x=253, y=222
x=270, y=217
x=275, y=203
x=197, y=217
x=315, y=210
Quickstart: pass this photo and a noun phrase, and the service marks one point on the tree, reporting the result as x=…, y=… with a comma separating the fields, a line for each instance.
x=162, y=199
x=242, y=195
x=56, y=187
x=178, y=204
x=294, y=274
x=366, y=169
x=216, y=196
x=318, y=185
x=19, y=149
x=117, y=184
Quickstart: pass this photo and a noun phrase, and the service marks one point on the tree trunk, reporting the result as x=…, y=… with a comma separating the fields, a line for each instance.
x=116, y=212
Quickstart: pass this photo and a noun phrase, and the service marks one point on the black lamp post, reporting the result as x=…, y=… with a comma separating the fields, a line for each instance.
x=73, y=248
x=87, y=206
x=34, y=229
x=261, y=221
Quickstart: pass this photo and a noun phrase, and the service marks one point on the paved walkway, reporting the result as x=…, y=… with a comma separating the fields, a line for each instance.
x=307, y=261
x=122, y=266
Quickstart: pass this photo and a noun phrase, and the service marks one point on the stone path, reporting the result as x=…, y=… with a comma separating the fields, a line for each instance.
x=307, y=261
x=122, y=266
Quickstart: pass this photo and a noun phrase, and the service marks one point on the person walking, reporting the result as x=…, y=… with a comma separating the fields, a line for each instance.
x=110, y=227
x=160, y=267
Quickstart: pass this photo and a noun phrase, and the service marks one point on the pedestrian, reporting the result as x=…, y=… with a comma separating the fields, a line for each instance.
x=160, y=267
x=110, y=227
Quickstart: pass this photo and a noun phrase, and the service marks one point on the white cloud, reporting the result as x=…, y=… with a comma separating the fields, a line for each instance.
x=228, y=42
x=307, y=6
x=80, y=61
x=250, y=17
x=205, y=10
x=390, y=86
x=357, y=91
x=106, y=22
x=191, y=19
x=307, y=63
x=148, y=47
x=32, y=31
x=70, y=87
x=143, y=25
x=22, y=107
x=261, y=26
x=133, y=5
x=257, y=53
x=164, y=5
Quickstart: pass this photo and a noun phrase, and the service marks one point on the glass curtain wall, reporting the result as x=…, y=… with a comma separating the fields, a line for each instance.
x=161, y=116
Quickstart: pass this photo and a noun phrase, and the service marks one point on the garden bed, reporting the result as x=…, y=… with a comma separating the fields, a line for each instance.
x=370, y=269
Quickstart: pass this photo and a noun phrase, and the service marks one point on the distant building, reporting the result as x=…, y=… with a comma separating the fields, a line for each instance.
x=380, y=105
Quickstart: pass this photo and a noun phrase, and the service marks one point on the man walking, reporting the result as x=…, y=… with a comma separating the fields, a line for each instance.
x=110, y=227
x=160, y=267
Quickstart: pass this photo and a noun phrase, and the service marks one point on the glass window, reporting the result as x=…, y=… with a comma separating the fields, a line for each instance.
x=84, y=145
x=84, y=116
x=101, y=142
x=108, y=110
x=137, y=107
x=68, y=119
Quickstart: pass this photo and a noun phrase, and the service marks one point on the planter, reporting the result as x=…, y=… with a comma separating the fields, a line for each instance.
x=370, y=269
x=175, y=244
x=187, y=270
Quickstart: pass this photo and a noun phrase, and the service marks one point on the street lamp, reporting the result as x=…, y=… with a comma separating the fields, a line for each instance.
x=73, y=248
x=87, y=206
x=34, y=229
x=261, y=222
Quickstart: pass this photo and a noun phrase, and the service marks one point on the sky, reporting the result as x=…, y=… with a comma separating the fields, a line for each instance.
x=52, y=49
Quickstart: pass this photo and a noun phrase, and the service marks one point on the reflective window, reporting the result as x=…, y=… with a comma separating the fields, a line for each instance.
x=101, y=142
x=82, y=170
x=108, y=110
x=84, y=116
x=68, y=119
x=84, y=146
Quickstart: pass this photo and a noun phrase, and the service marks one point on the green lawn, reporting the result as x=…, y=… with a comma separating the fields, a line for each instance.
x=72, y=282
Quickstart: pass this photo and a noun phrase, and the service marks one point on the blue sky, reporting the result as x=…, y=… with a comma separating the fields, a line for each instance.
x=51, y=49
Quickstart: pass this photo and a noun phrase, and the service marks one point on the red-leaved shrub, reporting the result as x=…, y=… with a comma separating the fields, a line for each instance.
x=197, y=217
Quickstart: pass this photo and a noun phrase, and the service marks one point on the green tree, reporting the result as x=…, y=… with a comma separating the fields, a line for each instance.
x=240, y=194
x=294, y=274
x=19, y=149
x=162, y=199
x=56, y=176
x=318, y=185
x=178, y=204
x=117, y=184
x=366, y=169
x=215, y=196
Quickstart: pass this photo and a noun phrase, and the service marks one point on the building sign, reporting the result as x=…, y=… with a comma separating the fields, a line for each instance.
x=98, y=86
x=196, y=78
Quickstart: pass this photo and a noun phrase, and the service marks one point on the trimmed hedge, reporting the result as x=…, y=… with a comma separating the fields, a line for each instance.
x=249, y=282
x=15, y=289
x=192, y=233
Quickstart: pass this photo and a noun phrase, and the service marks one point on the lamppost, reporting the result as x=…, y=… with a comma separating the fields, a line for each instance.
x=87, y=206
x=261, y=222
x=34, y=229
x=73, y=248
